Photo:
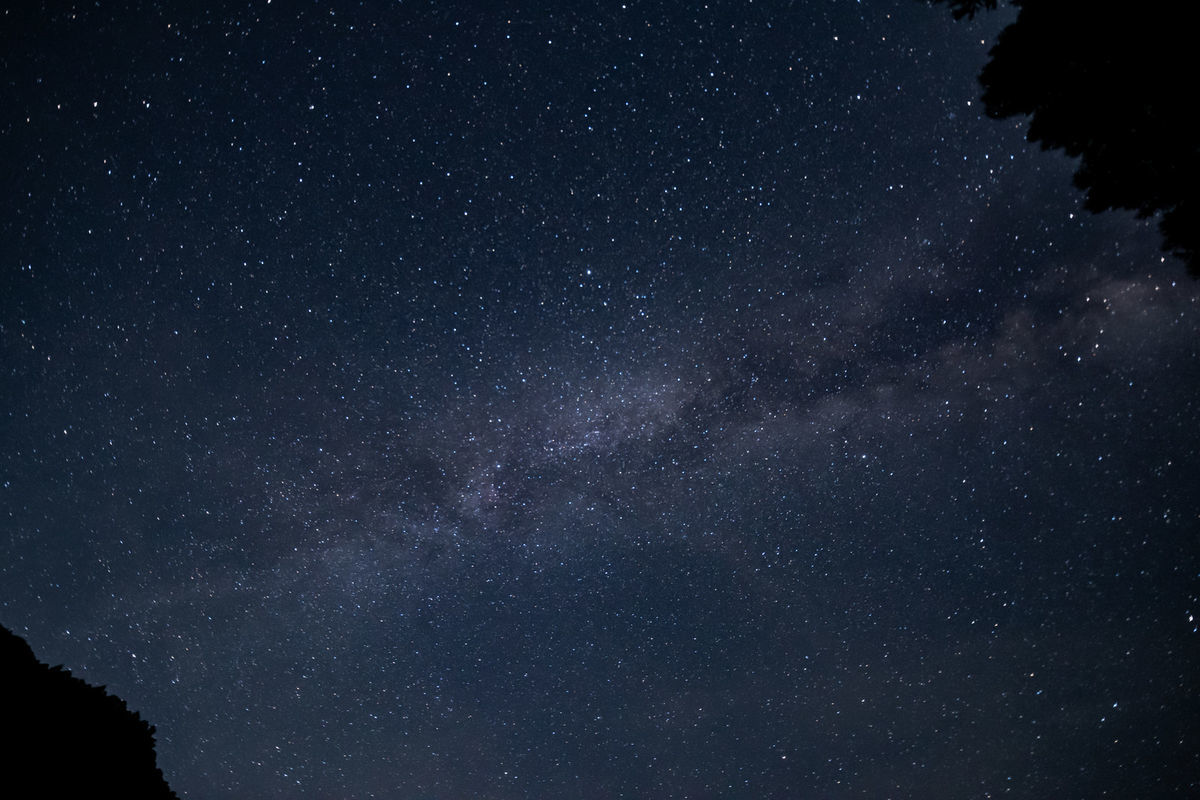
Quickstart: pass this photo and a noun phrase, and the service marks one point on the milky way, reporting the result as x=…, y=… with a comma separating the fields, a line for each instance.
x=635, y=400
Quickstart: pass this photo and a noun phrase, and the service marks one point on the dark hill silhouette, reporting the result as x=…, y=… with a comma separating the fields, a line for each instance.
x=1111, y=84
x=67, y=738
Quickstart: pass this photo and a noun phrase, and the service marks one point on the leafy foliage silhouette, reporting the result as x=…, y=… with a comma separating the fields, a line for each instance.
x=1108, y=83
x=67, y=738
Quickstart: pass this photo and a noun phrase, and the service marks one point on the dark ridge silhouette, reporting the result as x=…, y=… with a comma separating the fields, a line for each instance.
x=66, y=738
x=1111, y=84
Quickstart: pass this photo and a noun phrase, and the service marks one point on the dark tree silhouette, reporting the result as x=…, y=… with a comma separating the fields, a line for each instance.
x=67, y=738
x=1110, y=83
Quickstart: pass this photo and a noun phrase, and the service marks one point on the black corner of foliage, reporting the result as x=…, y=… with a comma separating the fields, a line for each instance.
x=67, y=738
x=1107, y=83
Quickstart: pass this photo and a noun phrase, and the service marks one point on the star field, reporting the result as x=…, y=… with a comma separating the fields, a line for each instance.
x=440, y=400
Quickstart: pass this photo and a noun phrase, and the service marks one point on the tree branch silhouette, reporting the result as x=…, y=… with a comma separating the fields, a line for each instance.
x=1107, y=83
x=67, y=738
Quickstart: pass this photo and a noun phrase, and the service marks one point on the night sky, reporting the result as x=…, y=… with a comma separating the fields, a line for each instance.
x=446, y=400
